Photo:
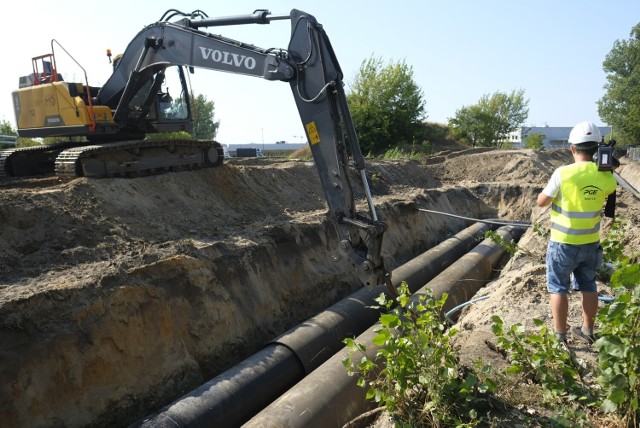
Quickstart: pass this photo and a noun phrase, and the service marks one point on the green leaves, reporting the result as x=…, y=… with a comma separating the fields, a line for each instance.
x=534, y=141
x=618, y=344
x=613, y=244
x=627, y=277
x=415, y=373
x=539, y=357
x=389, y=320
x=619, y=347
x=6, y=128
x=620, y=105
x=387, y=106
x=487, y=123
x=205, y=127
x=382, y=337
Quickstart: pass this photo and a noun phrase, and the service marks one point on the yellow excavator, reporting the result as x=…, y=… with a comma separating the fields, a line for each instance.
x=107, y=125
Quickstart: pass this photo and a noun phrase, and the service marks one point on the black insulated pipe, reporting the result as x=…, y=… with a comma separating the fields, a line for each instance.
x=317, y=339
x=233, y=397
x=463, y=279
x=328, y=397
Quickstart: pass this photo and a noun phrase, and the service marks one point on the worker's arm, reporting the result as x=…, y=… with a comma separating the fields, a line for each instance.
x=552, y=188
x=543, y=200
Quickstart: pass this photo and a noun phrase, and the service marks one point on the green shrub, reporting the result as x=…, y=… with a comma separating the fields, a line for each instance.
x=397, y=153
x=613, y=245
x=618, y=346
x=177, y=135
x=415, y=373
x=541, y=358
x=27, y=142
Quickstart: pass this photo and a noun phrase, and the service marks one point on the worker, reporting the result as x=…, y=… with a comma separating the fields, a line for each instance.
x=577, y=193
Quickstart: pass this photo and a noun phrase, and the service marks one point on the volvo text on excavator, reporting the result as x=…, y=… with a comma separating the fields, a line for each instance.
x=109, y=123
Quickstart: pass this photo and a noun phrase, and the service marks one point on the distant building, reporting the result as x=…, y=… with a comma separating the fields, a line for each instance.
x=10, y=140
x=269, y=146
x=555, y=137
x=266, y=149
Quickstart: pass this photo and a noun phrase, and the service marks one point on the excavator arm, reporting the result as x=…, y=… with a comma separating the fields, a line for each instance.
x=133, y=92
x=318, y=90
x=312, y=70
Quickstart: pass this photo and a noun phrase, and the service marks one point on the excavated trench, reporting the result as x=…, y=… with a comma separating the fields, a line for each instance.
x=458, y=266
x=195, y=272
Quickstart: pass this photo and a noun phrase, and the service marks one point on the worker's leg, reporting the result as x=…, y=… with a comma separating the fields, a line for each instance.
x=559, y=268
x=590, y=257
x=589, y=309
x=559, y=310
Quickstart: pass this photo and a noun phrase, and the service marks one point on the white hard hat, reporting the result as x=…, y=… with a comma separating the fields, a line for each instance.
x=585, y=132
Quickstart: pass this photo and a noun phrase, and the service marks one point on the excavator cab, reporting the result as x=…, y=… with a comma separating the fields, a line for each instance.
x=160, y=103
x=173, y=103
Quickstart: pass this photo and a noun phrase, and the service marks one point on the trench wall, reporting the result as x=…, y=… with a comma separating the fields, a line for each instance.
x=112, y=350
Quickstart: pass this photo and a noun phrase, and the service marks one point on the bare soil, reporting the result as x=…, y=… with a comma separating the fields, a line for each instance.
x=119, y=295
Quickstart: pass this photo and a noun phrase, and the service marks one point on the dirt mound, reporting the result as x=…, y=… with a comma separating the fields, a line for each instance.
x=119, y=295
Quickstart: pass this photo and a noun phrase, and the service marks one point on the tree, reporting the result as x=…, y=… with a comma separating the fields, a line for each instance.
x=205, y=127
x=620, y=105
x=387, y=106
x=534, y=141
x=6, y=128
x=487, y=123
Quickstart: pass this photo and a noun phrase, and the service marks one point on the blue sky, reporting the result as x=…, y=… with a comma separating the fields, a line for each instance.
x=459, y=51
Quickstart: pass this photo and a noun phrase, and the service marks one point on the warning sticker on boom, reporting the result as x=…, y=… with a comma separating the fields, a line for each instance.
x=312, y=132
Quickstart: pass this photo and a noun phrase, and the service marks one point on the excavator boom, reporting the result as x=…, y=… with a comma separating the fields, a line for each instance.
x=129, y=104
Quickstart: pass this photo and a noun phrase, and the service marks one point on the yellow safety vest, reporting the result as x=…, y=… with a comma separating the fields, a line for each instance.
x=575, y=212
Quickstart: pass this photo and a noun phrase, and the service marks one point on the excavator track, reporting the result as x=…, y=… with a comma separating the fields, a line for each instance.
x=137, y=158
x=122, y=159
x=31, y=161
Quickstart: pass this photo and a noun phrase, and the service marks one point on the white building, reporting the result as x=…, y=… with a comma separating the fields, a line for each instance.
x=264, y=149
x=268, y=146
x=9, y=140
x=555, y=137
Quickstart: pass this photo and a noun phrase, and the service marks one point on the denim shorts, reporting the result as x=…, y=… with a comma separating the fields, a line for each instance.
x=581, y=260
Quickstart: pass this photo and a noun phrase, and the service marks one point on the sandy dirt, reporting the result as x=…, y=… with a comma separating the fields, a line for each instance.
x=119, y=295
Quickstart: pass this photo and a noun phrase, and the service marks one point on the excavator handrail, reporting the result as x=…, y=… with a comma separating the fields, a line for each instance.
x=92, y=127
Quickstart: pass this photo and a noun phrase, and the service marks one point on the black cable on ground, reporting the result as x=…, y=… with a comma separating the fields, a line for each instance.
x=498, y=222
